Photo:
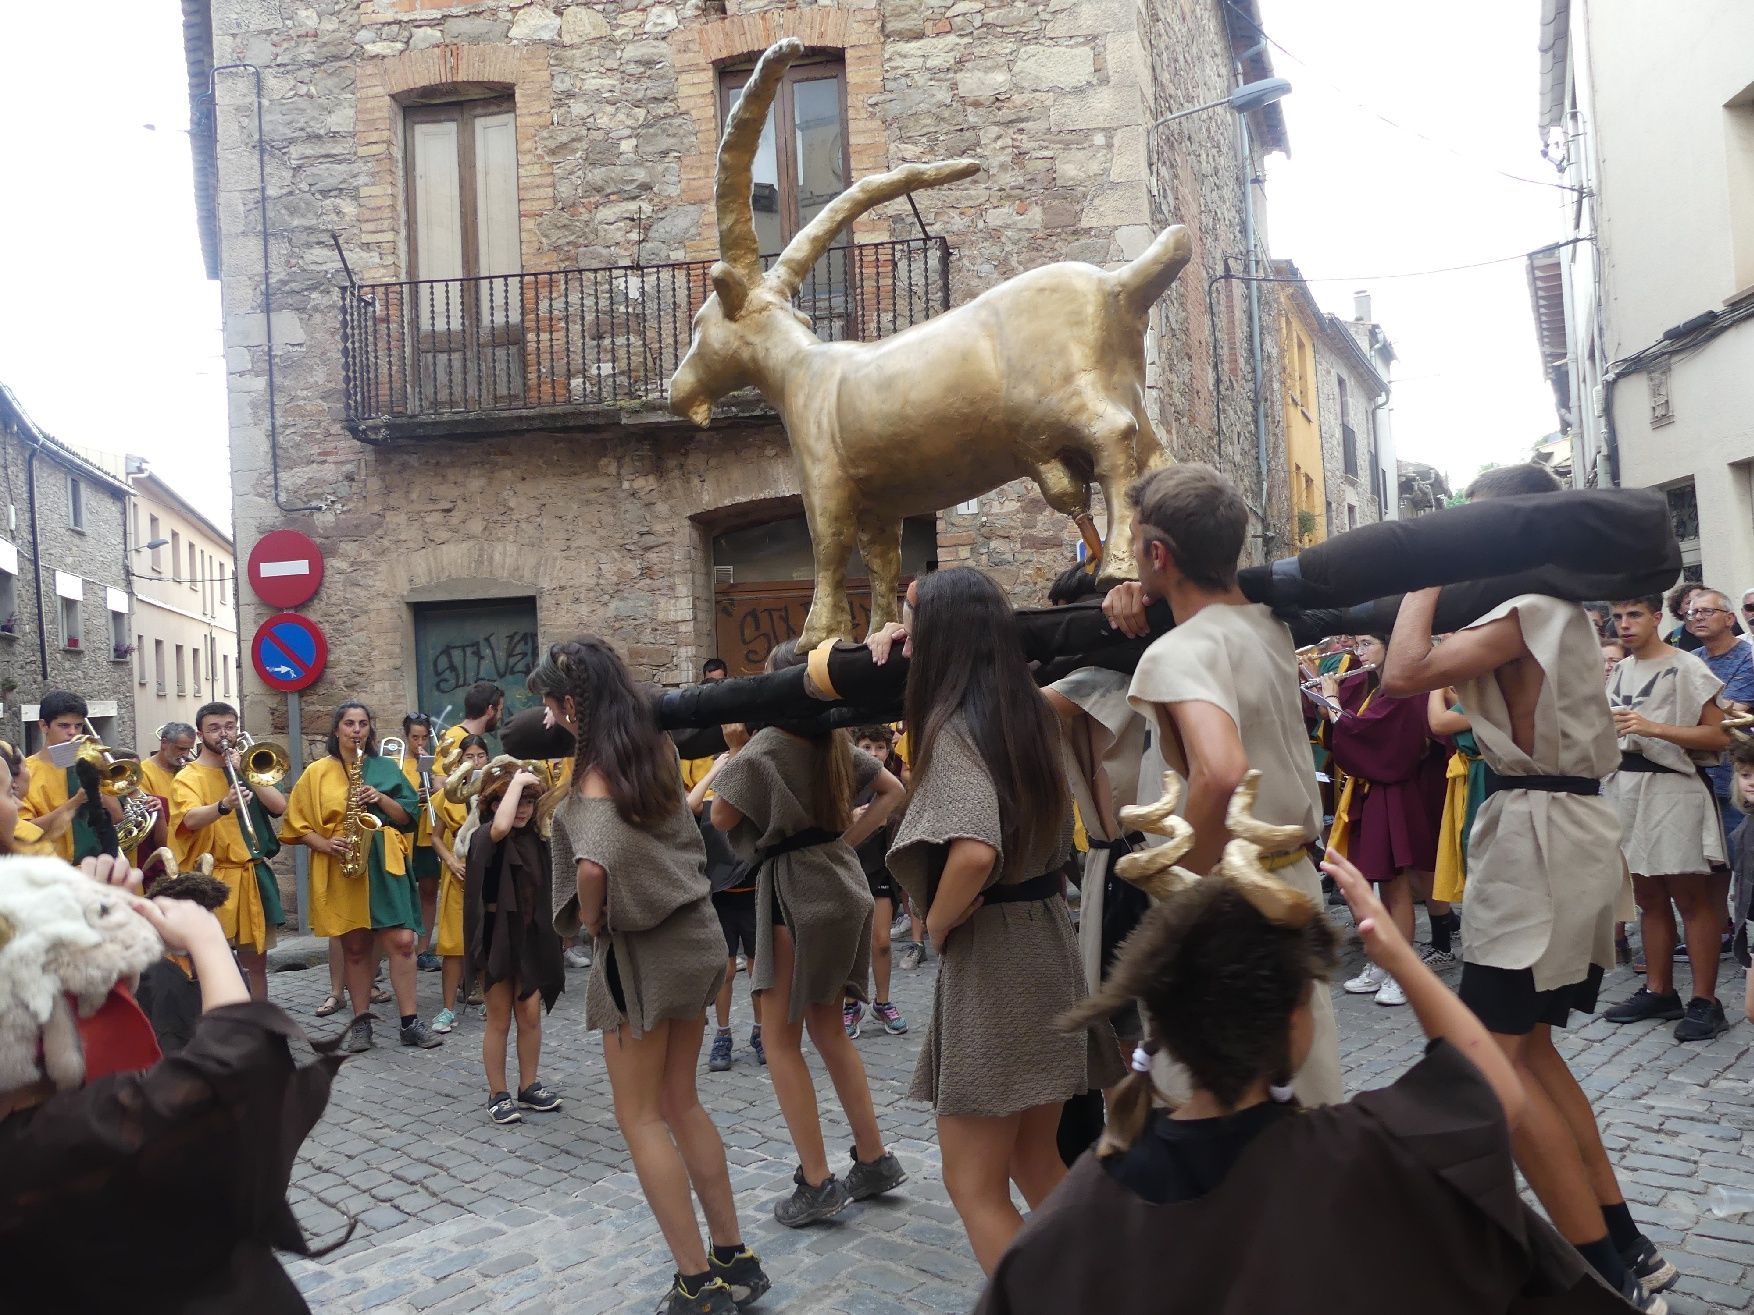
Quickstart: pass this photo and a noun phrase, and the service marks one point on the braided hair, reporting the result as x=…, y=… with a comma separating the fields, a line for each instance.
x=1219, y=984
x=614, y=731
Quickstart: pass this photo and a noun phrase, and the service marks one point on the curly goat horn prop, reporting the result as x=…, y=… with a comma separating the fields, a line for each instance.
x=1154, y=871
x=1250, y=838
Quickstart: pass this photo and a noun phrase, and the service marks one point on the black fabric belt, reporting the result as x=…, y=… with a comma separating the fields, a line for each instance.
x=1585, y=785
x=808, y=838
x=1046, y=886
x=1122, y=845
x=1637, y=762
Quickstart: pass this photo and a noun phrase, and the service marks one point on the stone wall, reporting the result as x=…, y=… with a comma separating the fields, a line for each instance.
x=616, y=125
x=95, y=555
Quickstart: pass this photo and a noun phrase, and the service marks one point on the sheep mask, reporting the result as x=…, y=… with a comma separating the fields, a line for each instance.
x=71, y=953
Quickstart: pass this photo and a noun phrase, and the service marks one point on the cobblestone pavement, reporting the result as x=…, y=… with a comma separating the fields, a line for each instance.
x=456, y=1214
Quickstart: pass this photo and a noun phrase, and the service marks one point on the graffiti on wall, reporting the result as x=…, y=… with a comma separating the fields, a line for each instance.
x=497, y=656
x=753, y=619
x=458, y=644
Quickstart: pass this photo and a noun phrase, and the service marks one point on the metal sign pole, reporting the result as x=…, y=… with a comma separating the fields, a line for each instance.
x=301, y=855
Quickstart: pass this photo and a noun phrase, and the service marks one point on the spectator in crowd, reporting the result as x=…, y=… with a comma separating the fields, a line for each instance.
x=1676, y=603
x=1711, y=619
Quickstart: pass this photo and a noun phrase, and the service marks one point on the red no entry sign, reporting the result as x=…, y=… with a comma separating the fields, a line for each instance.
x=289, y=652
x=286, y=568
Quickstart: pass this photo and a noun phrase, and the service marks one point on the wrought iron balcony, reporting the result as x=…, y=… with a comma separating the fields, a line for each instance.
x=572, y=348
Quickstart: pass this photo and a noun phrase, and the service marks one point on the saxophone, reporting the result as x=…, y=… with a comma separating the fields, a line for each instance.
x=357, y=824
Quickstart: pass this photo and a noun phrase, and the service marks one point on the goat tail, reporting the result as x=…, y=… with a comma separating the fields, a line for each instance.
x=1143, y=281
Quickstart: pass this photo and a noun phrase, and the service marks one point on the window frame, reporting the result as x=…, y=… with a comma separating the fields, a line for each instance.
x=463, y=113
x=152, y=532
x=72, y=625
x=733, y=80
x=75, y=503
x=140, y=654
x=158, y=665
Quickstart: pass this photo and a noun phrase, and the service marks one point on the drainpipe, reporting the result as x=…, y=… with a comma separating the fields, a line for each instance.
x=36, y=556
x=1251, y=272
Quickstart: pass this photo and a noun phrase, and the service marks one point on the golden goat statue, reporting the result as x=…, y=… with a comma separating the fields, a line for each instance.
x=1042, y=376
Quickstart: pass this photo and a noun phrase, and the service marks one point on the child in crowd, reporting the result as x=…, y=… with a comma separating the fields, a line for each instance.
x=508, y=934
x=1242, y=1170
x=732, y=882
x=877, y=743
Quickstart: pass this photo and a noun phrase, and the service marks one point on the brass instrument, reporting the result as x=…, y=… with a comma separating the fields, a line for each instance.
x=357, y=823
x=264, y=762
x=245, y=823
x=123, y=779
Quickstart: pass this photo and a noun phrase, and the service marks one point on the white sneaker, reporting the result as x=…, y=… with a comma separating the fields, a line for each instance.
x=1368, y=982
x=1391, y=993
x=578, y=956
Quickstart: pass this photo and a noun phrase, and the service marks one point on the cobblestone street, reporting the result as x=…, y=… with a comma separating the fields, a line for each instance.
x=458, y=1215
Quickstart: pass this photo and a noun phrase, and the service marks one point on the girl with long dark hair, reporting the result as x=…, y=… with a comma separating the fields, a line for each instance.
x=378, y=914
x=787, y=802
x=630, y=868
x=987, y=828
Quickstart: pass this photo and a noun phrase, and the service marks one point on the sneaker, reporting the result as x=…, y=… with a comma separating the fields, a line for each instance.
x=577, y=956
x=1368, y=982
x=743, y=1275
x=912, y=955
x=714, y=1297
x=850, y=1014
x=755, y=1045
x=1435, y=959
x=1643, y=1005
x=720, y=1058
x=807, y=1204
x=1641, y=1298
x=1703, y=1020
x=901, y=929
x=419, y=1034
x=428, y=962
x=1391, y=993
x=884, y=1174
x=502, y=1109
x=890, y=1017
x=539, y=1098
x=1646, y=1263
x=444, y=1021
x=359, y=1036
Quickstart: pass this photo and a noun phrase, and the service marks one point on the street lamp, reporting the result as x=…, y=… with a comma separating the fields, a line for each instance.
x=1246, y=99
x=151, y=544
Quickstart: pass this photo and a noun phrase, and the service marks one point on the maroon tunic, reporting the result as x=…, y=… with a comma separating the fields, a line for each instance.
x=1397, y=806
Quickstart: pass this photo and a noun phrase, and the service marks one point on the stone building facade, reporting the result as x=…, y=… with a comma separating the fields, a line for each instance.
x=65, y=603
x=495, y=472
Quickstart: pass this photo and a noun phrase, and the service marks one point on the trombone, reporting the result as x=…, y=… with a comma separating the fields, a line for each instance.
x=264, y=763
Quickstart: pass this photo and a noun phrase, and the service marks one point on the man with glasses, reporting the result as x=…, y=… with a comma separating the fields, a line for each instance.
x=1711, y=619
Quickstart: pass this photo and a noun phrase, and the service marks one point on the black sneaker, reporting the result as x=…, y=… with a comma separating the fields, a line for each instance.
x=502, y=1109
x=712, y=1298
x=884, y=1174
x=1646, y=1263
x=1704, y=1020
x=744, y=1275
x=539, y=1098
x=1641, y=1299
x=807, y=1205
x=418, y=1034
x=1643, y=1005
x=359, y=1036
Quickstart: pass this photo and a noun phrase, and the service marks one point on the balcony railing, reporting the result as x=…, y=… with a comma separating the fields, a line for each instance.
x=1349, y=449
x=517, y=350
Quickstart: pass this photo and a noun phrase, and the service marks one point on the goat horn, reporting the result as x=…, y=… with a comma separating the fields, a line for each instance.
x=1241, y=864
x=1154, y=871
x=738, y=245
x=804, y=250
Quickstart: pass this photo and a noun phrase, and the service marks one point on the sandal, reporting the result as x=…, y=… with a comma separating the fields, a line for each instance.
x=331, y=1005
x=380, y=996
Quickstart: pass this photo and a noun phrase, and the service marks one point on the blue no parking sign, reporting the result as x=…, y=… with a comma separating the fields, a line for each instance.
x=289, y=652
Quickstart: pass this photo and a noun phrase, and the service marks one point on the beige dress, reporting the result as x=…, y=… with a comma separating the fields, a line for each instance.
x=1241, y=660
x=1544, y=868
x=661, y=951
x=820, y=890
x=1668, y=819
x=1008, y=972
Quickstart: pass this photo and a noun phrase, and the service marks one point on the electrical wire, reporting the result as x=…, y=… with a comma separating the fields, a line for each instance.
x=1346, y=99
x=1410, y=273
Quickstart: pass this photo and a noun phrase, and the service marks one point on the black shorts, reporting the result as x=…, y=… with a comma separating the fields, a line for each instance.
x=882, y=884
x=736, y=910
x=1506, y=1002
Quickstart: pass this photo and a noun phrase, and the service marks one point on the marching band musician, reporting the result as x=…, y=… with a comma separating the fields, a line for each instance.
x=55, y=800
x=236, y=825
x=378, y=912
x=176, y=746
x=453, y=851
x=417, y=740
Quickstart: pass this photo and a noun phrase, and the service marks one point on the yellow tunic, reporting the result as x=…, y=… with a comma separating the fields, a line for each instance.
x=339, y=904
x=157, y=781
x=48, y=791
x=422, y=822
x=693, y=769
x=243, y=917
x=27, y=838
x=447, y=941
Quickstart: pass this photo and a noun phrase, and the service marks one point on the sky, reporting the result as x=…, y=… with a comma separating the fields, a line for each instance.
x=111, y=331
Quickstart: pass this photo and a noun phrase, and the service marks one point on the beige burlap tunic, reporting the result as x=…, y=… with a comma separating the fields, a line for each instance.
x=661, y=943
x=1668, y=819
x=1240, y=659
x=1544, y=868
x=821, y=890
x=1009, y=971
